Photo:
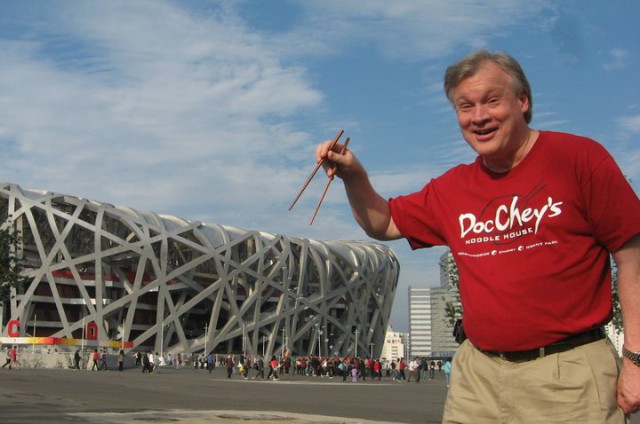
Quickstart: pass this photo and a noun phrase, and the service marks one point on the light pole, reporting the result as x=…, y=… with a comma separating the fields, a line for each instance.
x=161, y=341
x=82, y=343
x=371, y=350
x=206, y=336
x=283, y=336
x=319, y=340
x=356, y=354
x=33, y=345
x=123, y=333
x=244, y=338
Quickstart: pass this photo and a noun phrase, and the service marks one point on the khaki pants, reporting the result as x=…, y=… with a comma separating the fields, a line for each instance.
x=576, y=386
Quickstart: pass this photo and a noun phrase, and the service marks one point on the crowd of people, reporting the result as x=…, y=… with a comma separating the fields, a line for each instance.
x=415, y=369
x=264, y=368
x=257, y=367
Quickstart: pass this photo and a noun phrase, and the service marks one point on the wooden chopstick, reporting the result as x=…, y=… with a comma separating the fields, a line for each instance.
x=333, y=144
x=326, y=187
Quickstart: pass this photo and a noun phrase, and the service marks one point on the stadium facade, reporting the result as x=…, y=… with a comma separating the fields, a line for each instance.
x=117, y=277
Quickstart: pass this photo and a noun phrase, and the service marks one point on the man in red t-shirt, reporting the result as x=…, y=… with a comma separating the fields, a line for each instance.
x=531, y=224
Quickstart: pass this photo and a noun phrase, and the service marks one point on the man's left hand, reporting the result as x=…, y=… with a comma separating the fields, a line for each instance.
x=629, y=387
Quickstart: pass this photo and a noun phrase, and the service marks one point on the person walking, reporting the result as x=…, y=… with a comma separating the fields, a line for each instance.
x=259, y=367
x=273, y=369
x=531, y=224
x=95, y=357
x=211, y=364
x=402, y=366
x=146, y=363
x=7, y=357
x=377, y=369
x=413, y=368
x=229, y=366
x=121, y=360
x=103, y=360
x=76, y=359
x=152, y=362
x=447, y=371
x=12, y=358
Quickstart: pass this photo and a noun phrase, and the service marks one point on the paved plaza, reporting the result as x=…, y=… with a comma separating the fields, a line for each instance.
x=194, y=396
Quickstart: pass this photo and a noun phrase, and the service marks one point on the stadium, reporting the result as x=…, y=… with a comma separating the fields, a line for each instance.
x=110, y=276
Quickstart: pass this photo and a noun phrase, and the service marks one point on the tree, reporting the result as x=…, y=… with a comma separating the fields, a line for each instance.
x=453, y=309
x=10, y=266
x=618, y=325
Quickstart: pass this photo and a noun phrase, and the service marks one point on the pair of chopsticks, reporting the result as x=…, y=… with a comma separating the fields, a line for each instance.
x=326, y=187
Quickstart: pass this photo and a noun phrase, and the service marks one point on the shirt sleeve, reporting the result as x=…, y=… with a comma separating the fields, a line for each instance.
x=613, y=206
x=415, y=218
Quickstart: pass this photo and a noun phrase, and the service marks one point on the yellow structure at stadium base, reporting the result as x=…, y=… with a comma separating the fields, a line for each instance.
x=62, y=342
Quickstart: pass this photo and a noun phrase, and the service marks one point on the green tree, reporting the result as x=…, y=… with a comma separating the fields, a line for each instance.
x=10, y=265
x=453, y=309
x=617, y=311
x=617, y=322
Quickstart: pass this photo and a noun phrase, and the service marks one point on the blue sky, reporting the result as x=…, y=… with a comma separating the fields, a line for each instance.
x=211, y=110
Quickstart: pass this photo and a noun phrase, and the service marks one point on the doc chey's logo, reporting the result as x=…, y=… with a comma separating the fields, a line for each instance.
x=508, y=218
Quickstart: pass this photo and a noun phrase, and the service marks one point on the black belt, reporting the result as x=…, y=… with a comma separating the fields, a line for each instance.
x=557, y=347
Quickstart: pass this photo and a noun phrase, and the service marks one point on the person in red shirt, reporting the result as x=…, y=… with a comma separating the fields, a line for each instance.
x=273, y=368
x=377, y=370
x=531, y=223
x=95, y=358
x=12, y=358
x=401, y=367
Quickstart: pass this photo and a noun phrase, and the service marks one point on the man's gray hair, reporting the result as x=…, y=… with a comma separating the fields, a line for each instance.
x=469, y=65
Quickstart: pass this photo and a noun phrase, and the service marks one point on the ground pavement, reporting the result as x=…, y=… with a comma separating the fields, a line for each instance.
x=197, y=396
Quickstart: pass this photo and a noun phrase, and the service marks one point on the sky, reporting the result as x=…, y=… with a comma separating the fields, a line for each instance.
x=211, y=110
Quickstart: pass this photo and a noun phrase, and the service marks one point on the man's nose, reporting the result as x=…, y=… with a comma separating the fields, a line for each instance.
x=480, y=113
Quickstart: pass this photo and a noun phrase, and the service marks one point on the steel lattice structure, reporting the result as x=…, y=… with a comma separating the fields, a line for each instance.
x=172, y=285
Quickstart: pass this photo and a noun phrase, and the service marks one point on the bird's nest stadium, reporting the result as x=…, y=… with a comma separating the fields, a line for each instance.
x=110, y=276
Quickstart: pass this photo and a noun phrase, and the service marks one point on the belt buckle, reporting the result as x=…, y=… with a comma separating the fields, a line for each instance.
x=515, y=357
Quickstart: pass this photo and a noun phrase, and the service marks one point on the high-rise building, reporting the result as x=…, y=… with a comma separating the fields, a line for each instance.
x=430, y=329
x=420, y=321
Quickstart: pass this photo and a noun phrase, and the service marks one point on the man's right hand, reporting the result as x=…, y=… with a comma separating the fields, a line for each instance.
x=369, y=209
x=346, y=164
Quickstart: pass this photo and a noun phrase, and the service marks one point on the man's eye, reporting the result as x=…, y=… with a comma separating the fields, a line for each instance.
x=465, y=107
x=494, y=101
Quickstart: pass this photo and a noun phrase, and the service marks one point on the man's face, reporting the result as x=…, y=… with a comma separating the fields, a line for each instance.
x=491, y=115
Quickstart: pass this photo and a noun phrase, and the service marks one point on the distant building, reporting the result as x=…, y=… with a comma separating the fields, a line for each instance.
x=420, y=323
x=429, y=327
x=616, y=338
x=394, y=346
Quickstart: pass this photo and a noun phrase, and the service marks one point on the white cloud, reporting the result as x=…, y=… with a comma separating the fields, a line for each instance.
x=410, y=29
x=630, y=124
x=617, y=59
x=144, y=105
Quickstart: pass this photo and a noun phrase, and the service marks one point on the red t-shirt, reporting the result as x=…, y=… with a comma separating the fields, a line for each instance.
x=532, y=245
